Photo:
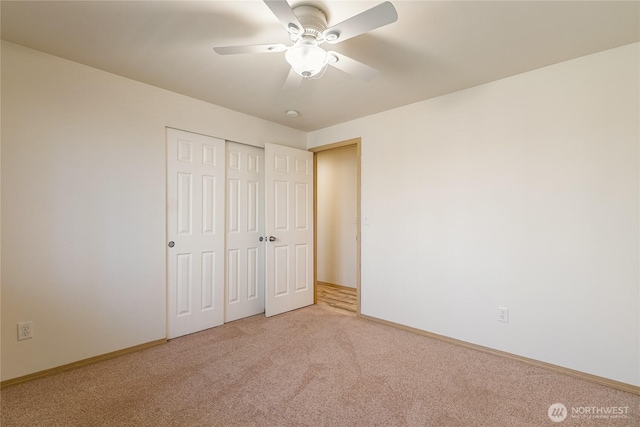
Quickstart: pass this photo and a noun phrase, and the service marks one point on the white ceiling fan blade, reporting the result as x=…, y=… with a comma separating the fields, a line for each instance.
x=285, y=15
x=256, y=48
x=293, y=81
x=376, y=17
x=351, y=66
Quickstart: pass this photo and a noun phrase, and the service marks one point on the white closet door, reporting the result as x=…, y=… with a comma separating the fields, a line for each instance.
x=245, y=226
x=289, y=225
x=195, y=231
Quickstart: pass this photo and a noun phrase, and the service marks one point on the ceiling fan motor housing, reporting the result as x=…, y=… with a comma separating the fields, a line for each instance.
x=313, y=21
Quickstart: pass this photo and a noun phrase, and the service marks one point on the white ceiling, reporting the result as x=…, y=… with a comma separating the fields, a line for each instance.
x=435, y=47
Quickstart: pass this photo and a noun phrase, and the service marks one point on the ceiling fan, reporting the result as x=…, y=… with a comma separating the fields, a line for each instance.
x=308, y=29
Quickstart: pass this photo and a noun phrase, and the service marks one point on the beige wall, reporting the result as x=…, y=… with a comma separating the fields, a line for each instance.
x=522, y=193
x=337, y=214
x=83, y=205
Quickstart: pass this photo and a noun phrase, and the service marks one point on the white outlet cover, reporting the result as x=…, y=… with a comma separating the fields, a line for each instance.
x=25, y=330
x=503, y=314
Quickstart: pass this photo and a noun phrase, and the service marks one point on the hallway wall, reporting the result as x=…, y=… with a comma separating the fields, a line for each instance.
x=337, y=216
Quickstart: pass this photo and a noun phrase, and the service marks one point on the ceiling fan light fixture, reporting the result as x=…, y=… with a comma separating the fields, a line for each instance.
x=306, y=58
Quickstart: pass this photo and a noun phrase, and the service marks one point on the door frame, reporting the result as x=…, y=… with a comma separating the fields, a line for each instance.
x=357, y=142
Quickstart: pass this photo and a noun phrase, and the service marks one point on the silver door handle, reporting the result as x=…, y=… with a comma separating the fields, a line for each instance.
x=272, y=239
x=171, y=244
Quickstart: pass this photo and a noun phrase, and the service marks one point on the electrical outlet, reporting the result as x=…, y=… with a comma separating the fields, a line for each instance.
x=503, y=314
x=25, y=330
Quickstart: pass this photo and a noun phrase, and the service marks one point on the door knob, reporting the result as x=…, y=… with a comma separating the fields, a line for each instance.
x=171, y=244
x=272, y=239
x=262, y=239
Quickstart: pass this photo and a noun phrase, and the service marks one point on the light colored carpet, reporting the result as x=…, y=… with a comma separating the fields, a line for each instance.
x=310, y=367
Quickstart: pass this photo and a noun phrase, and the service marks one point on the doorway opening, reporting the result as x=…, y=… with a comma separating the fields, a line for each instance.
x=337, y=225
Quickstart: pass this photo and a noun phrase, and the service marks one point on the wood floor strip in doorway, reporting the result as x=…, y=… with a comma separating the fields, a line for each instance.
x=336, y=296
